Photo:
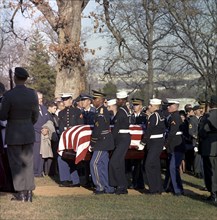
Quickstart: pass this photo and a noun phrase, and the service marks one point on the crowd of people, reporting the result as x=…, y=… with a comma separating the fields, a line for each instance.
x=29, y=148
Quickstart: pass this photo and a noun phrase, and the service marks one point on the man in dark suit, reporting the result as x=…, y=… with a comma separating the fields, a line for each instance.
x=208, y=148
x=42, y=119
x=20, y=109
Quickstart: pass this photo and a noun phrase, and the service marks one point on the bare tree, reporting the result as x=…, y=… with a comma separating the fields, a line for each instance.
x=138, y=29
x=64, y=17
x=194, y=38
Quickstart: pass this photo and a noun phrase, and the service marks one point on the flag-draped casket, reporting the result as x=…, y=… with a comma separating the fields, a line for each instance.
x=77, y=140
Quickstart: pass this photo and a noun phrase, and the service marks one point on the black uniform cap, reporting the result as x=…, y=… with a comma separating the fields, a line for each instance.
x=21, y=73
x=85, y=96
x=97, y=94
x=213, y=100
x=137, y=101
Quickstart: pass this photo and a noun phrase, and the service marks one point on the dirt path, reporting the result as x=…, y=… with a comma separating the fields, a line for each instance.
x=55, y=190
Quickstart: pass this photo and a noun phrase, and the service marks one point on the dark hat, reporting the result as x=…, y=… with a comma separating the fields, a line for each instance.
x=97, y=94
x=85, y=96
x=196, y=107
x=78, y=99
x=21, y=73
x=213, y=100
x=188, y=107
x=137, y=101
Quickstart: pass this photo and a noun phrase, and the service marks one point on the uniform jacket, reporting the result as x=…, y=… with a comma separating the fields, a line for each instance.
x=139, y=119
x=20, y=109
x=101, y=138
x=88, y=116
x=69, y=117
x=174, y=142
x=193, y=129
x=121, y=121
x=208, y=134
x=155, y=126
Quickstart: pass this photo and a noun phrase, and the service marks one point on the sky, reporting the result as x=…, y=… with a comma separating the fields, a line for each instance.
x=94, y=40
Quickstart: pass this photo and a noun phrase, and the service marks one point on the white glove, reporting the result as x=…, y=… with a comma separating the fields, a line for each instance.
x=90, y=148
x=195, y=149
x=164, y=148
x=140, y=147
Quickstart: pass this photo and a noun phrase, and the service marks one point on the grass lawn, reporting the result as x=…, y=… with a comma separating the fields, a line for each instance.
x=133, y=206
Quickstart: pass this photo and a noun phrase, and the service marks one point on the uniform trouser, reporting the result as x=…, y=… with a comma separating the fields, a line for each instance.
x=153, y=166
x=67, y=170
x=21, y=164
x=173, y=173
x=198, y=164
x=99, y=170
x=38, y=161
x=210, y=173
x=117, y=177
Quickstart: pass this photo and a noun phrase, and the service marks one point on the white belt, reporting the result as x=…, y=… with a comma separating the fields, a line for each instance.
x=179, y=133
x=124, y=131
x=156, y=136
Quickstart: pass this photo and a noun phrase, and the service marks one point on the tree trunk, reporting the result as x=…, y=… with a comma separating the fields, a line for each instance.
x=70, y=66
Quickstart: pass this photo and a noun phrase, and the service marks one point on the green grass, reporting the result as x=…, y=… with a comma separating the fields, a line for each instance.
x=191, y=206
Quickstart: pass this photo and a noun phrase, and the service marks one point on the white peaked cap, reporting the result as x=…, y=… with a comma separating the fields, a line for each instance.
x=66, y=95
x=155, y=101
x=172, y=101
x=122, y=95
x=111, y=102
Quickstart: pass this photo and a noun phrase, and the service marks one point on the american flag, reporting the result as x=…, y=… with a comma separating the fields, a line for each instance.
x=77, y=138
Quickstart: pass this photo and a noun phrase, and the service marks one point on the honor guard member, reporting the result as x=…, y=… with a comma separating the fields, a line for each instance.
x=175, y=149
x=101, y=142
x=153, y=140
x=193, y=132
x=208, y=148
x=68, y=117
x=138, y=117
x=88, y=111
x=20, y=109
x=121, y=134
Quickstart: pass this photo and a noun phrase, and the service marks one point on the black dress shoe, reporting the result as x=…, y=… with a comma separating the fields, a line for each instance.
x=98, y=192
x=120, y=191
x=29, y=196
x=20, y=197
x=212, y=197
x=75, y=185
x=65, y=184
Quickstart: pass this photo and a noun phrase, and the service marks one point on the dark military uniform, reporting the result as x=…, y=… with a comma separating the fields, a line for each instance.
x=68, y=117
x=122, y=140
x=137, y=165
x=88, y=116
x=208, y=149
x=175, y=149
x=101, y=143
x=20, y=109
x=193, y=132
x=154, y=140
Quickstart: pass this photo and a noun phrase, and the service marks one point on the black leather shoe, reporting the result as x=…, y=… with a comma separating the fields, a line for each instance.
x=212, y=197
x=29, y=196
x=120, y=191
x=20, y=197
x=98, y=192
x=65, y=184
x=75, y=185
